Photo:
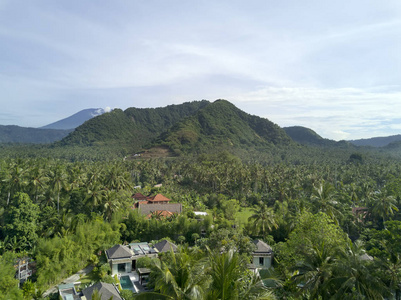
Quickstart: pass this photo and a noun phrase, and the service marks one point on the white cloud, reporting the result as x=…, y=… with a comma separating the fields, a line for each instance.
x=325, y=65
x=333, y=113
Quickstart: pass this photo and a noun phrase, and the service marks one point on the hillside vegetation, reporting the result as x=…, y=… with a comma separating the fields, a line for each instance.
x=221, y=125
x=192, y=127
x=17, y=134
x=377, y=141
x=133, y=128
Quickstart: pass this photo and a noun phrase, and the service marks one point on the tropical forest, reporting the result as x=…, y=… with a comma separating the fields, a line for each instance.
x=330, y=211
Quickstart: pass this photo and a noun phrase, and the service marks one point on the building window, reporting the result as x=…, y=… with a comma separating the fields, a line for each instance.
x=261, y=261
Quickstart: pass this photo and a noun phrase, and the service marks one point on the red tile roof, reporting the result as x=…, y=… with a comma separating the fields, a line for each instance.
x=161, y=213
x=138, y=196
x=158, y=197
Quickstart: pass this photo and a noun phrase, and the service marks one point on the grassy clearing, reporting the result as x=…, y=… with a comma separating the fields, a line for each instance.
x=243, y=215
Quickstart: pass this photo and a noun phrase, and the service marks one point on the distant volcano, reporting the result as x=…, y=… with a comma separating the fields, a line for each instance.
x=76, y=119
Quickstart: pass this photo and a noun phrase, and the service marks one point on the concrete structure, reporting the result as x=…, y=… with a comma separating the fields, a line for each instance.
x=105, y=290
x=262, y=257
x=122, y=258
x=68, y=292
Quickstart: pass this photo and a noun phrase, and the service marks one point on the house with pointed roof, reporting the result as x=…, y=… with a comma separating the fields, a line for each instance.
x=122, y=258
x=106, y=291
x=157, y=204
x=138, y=197
x=165, y=246
x=262, y=256
x=159, y=199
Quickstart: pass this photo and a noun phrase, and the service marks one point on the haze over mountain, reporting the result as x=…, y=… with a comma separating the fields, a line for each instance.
x=26, y=135
x=47, y=134
x=377, y=141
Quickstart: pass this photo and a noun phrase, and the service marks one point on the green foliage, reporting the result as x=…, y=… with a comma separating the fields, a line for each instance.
x=307, y=136
x=220, y=125
x=8, y=284
x=133, y=128
x=230, y=208
x=95, y=207
x=143, y=262
x=17, y=134
x=127, y=294
x=311, y=231
x=262, y=221
x=356, y=158
x=229, y=239
x=59, y=257
x=195, y=275
x=21, y=218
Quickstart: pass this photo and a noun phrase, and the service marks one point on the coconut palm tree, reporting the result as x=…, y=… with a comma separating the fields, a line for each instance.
x=58, y=181
x=324, y=197
x=38, y=180
x=390, y=269
x=383, y=205
x=353, y=277
x=314, y=271
x=230, y=280
x=178, y=276
x=263, y=219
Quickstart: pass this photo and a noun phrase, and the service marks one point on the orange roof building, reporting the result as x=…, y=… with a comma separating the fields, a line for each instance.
x=139, y=196
x=159, y=198
x=160, y=214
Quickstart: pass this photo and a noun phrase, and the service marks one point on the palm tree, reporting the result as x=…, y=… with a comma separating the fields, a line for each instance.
x=230, y=280
x=38, y=179
x=314, y=271
x=111, y=204
x=117, y=179
x=324, y=197
x=383, y=205
x=263, y=219
x=58, y=181
x=95, y=194
x=178, y=276
x=353, y=277
x=390, y=266
x=15, y=179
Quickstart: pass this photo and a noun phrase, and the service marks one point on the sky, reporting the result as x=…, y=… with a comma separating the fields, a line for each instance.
x=332, y=66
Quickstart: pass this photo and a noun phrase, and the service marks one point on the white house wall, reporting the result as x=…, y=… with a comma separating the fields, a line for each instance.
x=266, y=262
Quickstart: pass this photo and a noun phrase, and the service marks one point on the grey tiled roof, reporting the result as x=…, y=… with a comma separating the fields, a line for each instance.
x=147, y=209
x=165, y=246
x=262, y=247
x=107, y=291
x=118, y=251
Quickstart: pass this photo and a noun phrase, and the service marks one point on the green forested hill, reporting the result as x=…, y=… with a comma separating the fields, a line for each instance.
x=17, y=134
x=306, y=136
x=221, y=125
x=377, y=141
x=192, y=127
x=134, y=127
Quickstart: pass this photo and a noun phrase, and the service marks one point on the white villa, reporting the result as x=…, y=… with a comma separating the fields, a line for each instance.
x=262, y=257
x=122, y=258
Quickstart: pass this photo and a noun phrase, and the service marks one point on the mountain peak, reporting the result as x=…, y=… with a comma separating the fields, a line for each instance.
x=75, y=120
